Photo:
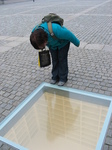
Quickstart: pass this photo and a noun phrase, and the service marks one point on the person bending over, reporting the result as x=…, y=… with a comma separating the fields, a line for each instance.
x=41, y=37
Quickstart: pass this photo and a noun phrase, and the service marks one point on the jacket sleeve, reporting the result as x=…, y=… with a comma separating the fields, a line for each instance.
x=64, y=34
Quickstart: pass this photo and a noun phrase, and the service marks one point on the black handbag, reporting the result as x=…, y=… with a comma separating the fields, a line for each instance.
x=44, y=58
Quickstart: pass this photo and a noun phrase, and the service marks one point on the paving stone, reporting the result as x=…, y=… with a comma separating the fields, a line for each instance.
x=82, y=45
x=11, y=102
x=17, y=98
x=4, y=48
x=1, y=109
x=6, y=94
x=1, y=144
x=102, y=83
x=6, y=112
x=0, y=102
x=107, y=48
x=101, y=92
x=91, y=85
x=47, y=80
x=108, y=93
x=5, y=99
x=82, y=87
x=3, y=37
x=79, y=83
x=16, y=103
x=74, y=82
x=97, y=87
x=11, y=96
x=106, y=147
x=8, y=107
x=13, y=148
x=110, y=89
x=13, y=44
x=19, y=93
x=94, y=46
x=23, y=39
x=110, y=147
x=3, y=104
x=104, y=88
x=108, y=141
x=5, y=147
x=88, y=89
x=75, y=86
x=68, y=84
x=2, y=118
x=12, y=38
x=109, y=133
x=110, y=125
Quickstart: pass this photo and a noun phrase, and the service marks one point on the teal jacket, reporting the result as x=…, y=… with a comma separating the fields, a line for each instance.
x=63, y=34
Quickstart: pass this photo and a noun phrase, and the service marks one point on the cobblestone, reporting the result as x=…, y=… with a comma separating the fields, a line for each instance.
x=109, y=141
x=109, y=133
x=110, y=147
x=106, y=147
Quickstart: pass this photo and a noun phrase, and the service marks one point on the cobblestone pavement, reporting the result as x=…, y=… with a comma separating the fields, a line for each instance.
x=90, y=65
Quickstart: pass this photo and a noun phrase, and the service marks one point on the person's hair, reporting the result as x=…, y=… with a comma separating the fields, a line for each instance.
x=38, y=37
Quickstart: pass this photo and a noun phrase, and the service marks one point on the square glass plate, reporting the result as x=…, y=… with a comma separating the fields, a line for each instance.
x=58, y=118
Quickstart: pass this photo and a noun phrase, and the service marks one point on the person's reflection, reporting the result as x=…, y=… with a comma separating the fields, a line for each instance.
x=59, y=111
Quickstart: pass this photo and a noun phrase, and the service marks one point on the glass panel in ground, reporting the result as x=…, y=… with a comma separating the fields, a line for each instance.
x=56, y=122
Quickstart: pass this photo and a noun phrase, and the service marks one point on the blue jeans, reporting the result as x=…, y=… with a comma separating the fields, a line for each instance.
x=60, y=63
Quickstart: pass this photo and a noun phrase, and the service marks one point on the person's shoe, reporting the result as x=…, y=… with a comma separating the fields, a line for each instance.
x=61, y=83
x=53, y=81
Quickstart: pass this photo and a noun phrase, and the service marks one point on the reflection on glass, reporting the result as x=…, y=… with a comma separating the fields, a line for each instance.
x=55, y=122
